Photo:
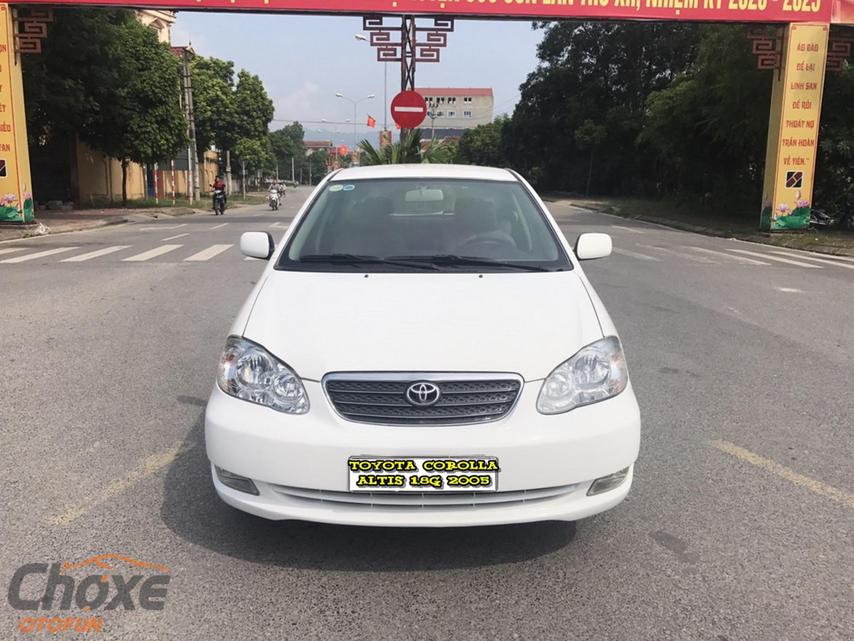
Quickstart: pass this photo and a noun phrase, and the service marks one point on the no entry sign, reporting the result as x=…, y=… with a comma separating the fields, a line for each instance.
x=408, y=109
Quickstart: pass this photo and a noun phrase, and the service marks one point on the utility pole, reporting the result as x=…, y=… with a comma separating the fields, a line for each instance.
x=228, y=171
x=193, y=180
x=243, y=177
x=293, y=179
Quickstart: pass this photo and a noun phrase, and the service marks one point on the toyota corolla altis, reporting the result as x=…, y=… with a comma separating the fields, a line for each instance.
x=423, y=349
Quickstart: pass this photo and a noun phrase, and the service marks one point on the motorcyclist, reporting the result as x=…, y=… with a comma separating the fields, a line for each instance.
x=275, y=192
x=219, y=184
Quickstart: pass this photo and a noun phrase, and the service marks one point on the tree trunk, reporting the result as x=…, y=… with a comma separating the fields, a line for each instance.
x=124, y=182
x=589, y=172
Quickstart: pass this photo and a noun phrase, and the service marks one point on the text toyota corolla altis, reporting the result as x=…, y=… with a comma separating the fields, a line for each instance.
x=423, y=349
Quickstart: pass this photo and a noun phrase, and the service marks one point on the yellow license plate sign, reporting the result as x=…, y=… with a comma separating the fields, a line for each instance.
x=423, y=474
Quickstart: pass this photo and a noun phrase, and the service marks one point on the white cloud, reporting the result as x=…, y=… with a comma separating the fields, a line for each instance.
x=300, y=104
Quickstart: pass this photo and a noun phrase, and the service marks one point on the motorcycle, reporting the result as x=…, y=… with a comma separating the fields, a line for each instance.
x=820, y=219
x=841, y=219
x=219, y=202
x=274, y=200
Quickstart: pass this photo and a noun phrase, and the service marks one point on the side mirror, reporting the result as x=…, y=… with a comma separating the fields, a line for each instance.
x=593, y=245
x=257, y=244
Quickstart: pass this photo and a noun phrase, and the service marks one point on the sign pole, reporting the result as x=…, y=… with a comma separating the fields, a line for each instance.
x=793, y=128
x=16, y=201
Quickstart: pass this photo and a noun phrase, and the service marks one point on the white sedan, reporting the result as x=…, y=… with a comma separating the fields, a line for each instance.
x=423, y=349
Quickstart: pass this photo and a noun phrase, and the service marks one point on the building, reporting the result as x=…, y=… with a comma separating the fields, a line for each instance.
x=159, y=20
x=319, y=145
x=455, y=109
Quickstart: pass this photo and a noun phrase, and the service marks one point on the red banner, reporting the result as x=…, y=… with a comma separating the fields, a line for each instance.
x=680, y=10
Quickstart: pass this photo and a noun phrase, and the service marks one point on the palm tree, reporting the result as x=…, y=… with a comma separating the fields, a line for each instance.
x=408, y=150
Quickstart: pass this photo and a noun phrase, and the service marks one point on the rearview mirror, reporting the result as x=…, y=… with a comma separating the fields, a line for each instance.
x=593, y=245
x=257, y=244
x=424, y=195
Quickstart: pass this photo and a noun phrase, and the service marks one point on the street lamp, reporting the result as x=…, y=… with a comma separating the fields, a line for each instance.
x=362, y=38
x=355, y=102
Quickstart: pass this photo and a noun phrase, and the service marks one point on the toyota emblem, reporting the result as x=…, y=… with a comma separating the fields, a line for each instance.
x=423, y=394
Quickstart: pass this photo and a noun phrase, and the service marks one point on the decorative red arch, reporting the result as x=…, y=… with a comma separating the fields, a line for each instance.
x=781, y=11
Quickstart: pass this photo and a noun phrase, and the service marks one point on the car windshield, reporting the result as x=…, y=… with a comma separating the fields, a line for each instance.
x=448, y=225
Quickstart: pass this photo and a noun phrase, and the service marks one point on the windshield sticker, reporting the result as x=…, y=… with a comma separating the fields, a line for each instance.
x=349, y=187
x=336, y=188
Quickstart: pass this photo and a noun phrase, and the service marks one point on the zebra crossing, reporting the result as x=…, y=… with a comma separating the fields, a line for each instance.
x=759, y=256
x=764, y=257
x=164, y=252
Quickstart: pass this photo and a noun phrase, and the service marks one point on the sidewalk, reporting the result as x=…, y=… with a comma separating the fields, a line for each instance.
x=56, y=221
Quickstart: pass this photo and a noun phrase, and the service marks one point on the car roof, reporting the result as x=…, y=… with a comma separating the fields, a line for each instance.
x=425, y=170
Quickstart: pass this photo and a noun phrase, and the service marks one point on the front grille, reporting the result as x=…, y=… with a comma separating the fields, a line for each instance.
x=401, y=501
x=381, y=398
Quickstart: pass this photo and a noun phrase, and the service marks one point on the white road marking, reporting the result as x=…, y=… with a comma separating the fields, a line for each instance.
x=218, y=226
x=838, y=257
x=12, y=249
x=152, y=253
x=162, y=227
x=278, y=225
x=779, y=260
x=789, y=290
x=250, y=258
x=626, y=252
x=817, y=487
x=631, y=229
x=210, y=252
x=41, y=254
x=738, y=259
x=696, y=259
x=174, y=237
x=816, y=260
x=95, y=254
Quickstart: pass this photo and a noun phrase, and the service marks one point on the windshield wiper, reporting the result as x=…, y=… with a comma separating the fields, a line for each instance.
x=453, y=259
x=358, y=259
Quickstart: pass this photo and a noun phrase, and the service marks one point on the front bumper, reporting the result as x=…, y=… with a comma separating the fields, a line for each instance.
x=299, y=463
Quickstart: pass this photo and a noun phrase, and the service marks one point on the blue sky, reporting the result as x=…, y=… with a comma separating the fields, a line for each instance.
x=305, y=60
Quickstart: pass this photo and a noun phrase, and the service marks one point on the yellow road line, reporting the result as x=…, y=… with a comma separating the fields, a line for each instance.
x=811, y=484
x=149, y=467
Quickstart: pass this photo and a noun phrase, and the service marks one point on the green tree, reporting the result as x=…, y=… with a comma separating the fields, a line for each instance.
x=139, y=118
x=64, y=84
x=599, y=72
x=589, y=136
x=214, y=106
x=483, y=145
x=286, y=144
x=834, y=177
x=231, y=114
x=707, y=129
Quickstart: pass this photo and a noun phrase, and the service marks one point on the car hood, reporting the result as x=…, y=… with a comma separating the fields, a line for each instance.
x=525, y=323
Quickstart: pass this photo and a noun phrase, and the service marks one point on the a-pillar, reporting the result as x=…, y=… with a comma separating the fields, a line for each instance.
x=793, y=128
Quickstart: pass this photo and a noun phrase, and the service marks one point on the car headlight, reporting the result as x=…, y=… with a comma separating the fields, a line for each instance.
x=595, y=373
x=249, y=372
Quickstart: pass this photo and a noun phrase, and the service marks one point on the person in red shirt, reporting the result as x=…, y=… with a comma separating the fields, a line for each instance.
x=219, y=184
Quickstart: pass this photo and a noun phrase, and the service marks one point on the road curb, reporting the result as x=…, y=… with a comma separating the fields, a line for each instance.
x=44, y=230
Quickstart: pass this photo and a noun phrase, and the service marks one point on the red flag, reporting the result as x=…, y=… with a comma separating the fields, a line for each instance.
x=372, y=121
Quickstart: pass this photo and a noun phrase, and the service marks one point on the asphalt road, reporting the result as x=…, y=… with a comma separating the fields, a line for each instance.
x=740, y=524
